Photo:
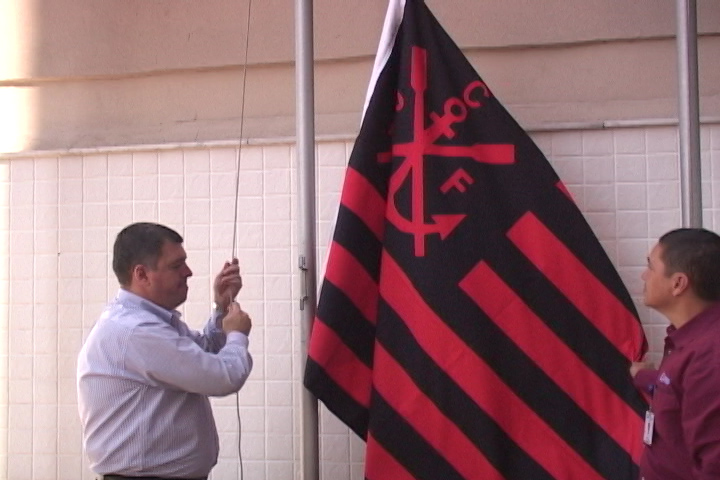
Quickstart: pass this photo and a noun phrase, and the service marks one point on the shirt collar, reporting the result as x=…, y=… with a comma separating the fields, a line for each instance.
x=129, y=299
x=696, y=327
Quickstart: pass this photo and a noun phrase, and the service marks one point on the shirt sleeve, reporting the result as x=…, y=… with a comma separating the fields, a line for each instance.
x=212, y=338
x=644, y=380
x=700, y=410
x=163, y=357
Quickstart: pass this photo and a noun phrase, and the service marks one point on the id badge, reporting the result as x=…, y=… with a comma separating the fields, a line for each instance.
x=649, y=424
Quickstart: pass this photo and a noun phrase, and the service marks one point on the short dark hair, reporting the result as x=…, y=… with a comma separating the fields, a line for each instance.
x=140, y=244
x=696, y=253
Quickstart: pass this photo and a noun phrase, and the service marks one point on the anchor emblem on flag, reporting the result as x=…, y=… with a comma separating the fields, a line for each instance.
x=424, y=143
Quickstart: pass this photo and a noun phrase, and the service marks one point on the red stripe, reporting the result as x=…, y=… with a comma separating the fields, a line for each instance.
x=551, y=354
x=347, y=274
x=478, y=380
x=361, y=197
x=398, y=389
x=380, y=465
x=340, y=363
x=578, y=284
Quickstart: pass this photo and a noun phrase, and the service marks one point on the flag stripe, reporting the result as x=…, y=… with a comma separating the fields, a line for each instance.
x=348, y=322
x=340, y=363
x=480, y=382
x=540, y=343
x=578, y=284
x=380, y=465
x=564, y=319
x=347, y=274
x=335, y=398
x=424, y=416
x=361, y=197
x=406, y=445
x=507, y=457
x=356, y=237
x=523, y=376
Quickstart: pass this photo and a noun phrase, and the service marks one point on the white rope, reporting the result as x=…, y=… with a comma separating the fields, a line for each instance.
x=234, y=253
x=242, y=123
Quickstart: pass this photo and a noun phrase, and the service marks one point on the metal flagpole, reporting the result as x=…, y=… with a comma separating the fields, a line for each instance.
x=689, y=116
x=305, y=141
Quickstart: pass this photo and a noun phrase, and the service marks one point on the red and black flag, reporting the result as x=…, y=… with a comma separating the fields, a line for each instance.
x=470, y=325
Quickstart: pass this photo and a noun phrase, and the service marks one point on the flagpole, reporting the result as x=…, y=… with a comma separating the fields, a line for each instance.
x=689, y=117
x=305, y=132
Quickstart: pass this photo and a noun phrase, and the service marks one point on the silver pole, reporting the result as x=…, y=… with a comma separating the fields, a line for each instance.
x=305, y=120
x=689, y=127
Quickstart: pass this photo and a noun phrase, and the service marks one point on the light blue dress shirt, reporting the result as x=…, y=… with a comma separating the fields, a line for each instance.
x=143, y=383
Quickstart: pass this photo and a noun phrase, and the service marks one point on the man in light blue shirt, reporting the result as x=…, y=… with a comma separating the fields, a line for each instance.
x=144, y=377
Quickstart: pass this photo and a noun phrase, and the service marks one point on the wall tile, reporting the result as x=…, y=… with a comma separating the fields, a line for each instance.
x=20, y=466
x=145, y=188
x=69, y=467
x=143, y=163
x=661, y=140
x=95, y=190
x=663, y=167
x=599, y=170
x=170, y=162
x=663, y=196
x=632, y=224
x=197, y=186
x=196, y=161
x=631, y=196
x=276, y=156
x=223, y=159
x=121, y=165
x=145, y=212
x=567, y=143
x=597, y=142
x=631, y=140
x=95, y=166
x=22, y=170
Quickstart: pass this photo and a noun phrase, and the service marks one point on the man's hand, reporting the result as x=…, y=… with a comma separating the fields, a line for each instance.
x=227, y=285
x=637, y=366
x=236, y=320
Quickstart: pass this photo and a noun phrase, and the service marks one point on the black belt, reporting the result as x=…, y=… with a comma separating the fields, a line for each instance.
x=112, y=476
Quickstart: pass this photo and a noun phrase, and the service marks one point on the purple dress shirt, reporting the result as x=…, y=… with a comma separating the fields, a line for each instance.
x=686, y=404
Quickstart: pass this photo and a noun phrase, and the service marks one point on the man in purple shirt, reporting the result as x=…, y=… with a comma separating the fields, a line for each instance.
x=682, y=431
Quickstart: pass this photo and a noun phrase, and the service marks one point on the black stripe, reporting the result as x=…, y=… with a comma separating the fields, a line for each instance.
x=335, y=399
x=568, y=323
x=401, y=441
x=341, y=315
x=448, y=266
x=500, y=450
x=537, y=389
x=352, y=233
x=564, y=219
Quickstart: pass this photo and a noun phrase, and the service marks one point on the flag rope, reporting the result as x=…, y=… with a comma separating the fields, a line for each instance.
x=235, y=214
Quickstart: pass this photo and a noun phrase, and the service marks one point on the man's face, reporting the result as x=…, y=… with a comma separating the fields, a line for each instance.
x=167, y=282
x=658, y=285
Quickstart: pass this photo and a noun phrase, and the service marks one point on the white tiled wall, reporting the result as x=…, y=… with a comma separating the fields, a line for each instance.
x=59, y=215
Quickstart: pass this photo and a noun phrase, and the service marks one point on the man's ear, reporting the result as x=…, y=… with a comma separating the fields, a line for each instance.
x=140, y=274
x=680, y=283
